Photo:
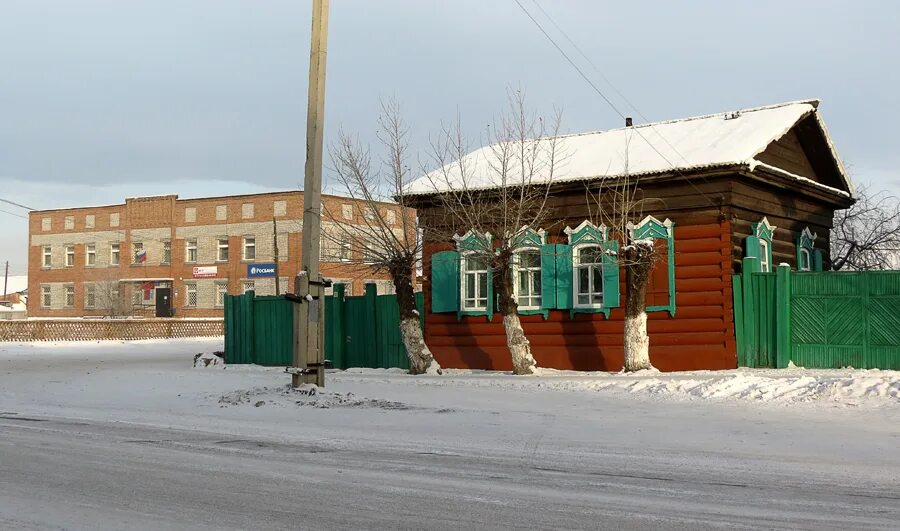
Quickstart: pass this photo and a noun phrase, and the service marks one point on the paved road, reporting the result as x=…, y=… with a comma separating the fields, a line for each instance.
x=59, y=473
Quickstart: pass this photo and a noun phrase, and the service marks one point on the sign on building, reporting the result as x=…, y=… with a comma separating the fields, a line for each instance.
x=206, y=271
x=260, y=270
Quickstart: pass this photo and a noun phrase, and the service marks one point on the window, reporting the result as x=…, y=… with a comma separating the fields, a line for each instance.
x=346, y=211
x=247, y=210
x=70, y=222
x=90, y=254
x=47, y=256
x=90, y=296
x=475, y=282
x=45, y=224
x=247, y=285
x=89, y=221
x=114, y=253
x=764, y=265
x=190, y=250
x=167, y=252
x=588, y=279
x=139, y=254
x=249, y=248
x=222, y=249
x=221, y=212
x=527, y=278
x=114, y=220
x=280, y=208
x=805, y=260
x=46, y=297
x=808, y=258
x=70, y=255
x=221, y=291
x=190, y=214
x=190, y=294
x=135, y=296
x=370, y=213
x=391, y=217
x=344, y=250
x=70, y=296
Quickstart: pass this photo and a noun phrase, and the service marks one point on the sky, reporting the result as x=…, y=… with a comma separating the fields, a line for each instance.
x=103, y=99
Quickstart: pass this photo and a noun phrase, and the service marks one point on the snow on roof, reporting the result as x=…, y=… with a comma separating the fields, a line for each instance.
x=715, y=140
x=15, y=283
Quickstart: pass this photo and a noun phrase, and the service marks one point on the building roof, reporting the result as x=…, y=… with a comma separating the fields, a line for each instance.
x=675, y=146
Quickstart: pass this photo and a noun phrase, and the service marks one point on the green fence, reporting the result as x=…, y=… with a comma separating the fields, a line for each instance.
x=817, y=320
x=360, y=331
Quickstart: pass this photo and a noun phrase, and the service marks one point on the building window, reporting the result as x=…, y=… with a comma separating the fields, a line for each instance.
x=247, y=285
x=370, y=213
x=222, y=249
x=527, y=277
x=247, y=211
x=46, y=224
x=190, y=251
x=90, y=296
x=475, y=282
x=280, y=208
x=190, y=215
x=345, y=253
x=249, y=248
x=136, y=296
x=391, y=217
x=89, y=221
x=139, y=254
x=588, y=273
x=221, y=212
x=70, y=296
x=70, y=256
x=347, y=212
x=47, y=256
x=221, y=291
x=90, y=254
x=805, y=260
x=114, y=253
x=764, y=264
x=46, y=297
x=190, y=294
x=70, y=222
x=114, y=220
x=167, y=252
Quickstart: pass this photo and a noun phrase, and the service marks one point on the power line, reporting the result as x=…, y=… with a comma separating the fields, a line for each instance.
x=14, y=214
x=13, y=203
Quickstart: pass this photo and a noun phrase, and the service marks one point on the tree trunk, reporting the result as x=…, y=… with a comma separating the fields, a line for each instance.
x=639, y=262
x=421, y=361
x=519, y=347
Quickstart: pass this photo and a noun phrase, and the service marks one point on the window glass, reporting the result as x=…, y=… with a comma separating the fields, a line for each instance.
x=90, y=254
x=47, y=256
x=70, y=255
x=763, y=256
x=589, y=276
x=475, y=283
x=190, y=254
x=222, y=250
x=114, y=254
x=167, y=252
x=249, y=248
x=527, y=267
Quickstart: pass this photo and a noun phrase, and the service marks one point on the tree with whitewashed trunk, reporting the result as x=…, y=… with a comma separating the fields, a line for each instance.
x=384, y=234
x=487, y=204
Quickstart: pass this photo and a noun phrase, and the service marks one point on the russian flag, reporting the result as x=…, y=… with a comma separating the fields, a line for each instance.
x=141, y=256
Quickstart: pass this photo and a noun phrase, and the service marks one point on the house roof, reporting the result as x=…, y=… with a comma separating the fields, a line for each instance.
x=688, y=144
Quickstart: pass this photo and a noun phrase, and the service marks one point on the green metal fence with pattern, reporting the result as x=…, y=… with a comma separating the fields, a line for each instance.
x=817, y=319
x=361, y=331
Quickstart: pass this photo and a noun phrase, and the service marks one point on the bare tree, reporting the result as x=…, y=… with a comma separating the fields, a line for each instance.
x=494, y=195
x=383, y=238
x=866, y=236
x=109, y=298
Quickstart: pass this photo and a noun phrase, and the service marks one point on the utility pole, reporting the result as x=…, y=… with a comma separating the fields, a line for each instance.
x=6, y=278
x=309, y=359
x=275, y=243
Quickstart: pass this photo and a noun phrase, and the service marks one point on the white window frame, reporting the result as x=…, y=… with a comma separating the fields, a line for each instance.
x=135, y=247
x=47, y=256
x=90, y=254
x=576, y=267
x=166, y=252
x=345, y=249
x=90, y=296
x=67, y=292
x=46, y=296
x=70, y=253
x=481, y=276
x=764, y=265
x=249, y=241
x=347, y=212
x=221, y=291
x=807, y=256
x=115, y=253
x=220, y=248
x=190, y=245
x=516, y=269
x=190, y=288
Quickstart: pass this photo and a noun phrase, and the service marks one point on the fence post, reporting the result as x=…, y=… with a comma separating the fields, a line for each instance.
x=782, y=316
x=376, y=351
x=751, y=329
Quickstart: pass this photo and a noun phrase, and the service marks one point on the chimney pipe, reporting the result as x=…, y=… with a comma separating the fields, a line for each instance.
x=628, y=122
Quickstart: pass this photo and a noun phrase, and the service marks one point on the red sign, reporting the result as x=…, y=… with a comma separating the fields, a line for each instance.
x=206, y=272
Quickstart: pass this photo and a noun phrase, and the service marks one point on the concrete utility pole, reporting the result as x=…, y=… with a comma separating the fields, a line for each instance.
x=6, y=279
x=309, y=359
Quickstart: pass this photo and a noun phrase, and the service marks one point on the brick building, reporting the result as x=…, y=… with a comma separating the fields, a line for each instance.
x=117, y=259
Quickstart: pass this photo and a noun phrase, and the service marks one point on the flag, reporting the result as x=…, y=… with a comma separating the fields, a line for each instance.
x=141, y=256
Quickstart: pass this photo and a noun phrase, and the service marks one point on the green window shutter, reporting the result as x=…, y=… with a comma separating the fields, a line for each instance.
x=751, y=247
x=611, y=274
x=563, y=276
x=548, y=276
x=491, y=298
x=818, y=260
x=445, y=282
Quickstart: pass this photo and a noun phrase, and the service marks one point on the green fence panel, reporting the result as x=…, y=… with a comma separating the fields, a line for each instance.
x=391, y=351
x=273, y=324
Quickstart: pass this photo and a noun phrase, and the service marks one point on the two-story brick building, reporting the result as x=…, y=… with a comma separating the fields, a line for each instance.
x=150, y=252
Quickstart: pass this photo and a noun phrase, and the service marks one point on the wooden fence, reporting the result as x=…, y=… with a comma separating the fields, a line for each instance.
x=100, y=329
x=817, y=319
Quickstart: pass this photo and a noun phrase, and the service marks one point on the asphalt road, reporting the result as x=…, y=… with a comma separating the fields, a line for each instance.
x=71, y=474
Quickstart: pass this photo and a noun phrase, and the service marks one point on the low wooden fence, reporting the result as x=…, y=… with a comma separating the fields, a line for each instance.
x=100, y=329
x=824, y=319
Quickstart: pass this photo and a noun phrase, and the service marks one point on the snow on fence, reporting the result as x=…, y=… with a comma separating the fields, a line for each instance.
x=121, y=329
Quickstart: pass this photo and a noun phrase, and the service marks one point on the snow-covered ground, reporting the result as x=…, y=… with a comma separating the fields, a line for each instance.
x=756, y=448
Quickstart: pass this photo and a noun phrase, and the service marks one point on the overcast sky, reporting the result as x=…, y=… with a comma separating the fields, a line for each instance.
x=103, y=99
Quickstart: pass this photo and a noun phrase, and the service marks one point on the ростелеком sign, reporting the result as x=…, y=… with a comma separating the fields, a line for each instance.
x=260, y=270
